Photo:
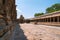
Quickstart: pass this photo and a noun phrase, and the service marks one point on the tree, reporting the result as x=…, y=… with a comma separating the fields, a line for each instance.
x=21, y=19
x=49, y=10
x=55, y=7
x=38, y=14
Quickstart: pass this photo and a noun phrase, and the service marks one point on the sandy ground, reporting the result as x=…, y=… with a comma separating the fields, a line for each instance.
x=35, y=32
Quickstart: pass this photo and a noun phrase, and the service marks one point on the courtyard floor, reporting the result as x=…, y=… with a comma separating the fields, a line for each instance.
x=36, y=32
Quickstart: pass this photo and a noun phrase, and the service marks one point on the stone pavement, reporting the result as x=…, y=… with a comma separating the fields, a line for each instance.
x=41, y=32
x=35, y=32
x=18, y=34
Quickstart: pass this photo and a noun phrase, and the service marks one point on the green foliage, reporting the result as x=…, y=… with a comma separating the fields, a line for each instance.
x=55, y=7
x=49, y=10
x=38, y=14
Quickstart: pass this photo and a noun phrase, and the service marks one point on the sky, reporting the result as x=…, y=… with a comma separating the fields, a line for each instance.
x=28, y=8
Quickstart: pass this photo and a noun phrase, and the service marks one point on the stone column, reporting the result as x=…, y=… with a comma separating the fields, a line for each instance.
x=58, y=19
x=53, y=19
x=47, y=19
x=44, y=19
x=40, y=20
x=50, y=19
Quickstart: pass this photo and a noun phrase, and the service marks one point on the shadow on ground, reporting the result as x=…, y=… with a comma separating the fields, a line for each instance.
x=18, y=34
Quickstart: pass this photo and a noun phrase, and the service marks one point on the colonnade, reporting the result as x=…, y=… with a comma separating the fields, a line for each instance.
x=50, y=19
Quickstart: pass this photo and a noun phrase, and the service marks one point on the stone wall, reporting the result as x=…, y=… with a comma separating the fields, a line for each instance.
x=7, y=16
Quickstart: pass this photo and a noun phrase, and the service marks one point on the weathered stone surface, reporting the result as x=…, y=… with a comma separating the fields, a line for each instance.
x=7, y=32
x=2, y=22
x=40, y=32
x=2, y=26
x=7, y=16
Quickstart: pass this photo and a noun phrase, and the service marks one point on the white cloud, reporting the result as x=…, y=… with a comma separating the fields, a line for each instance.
x=19, y=12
